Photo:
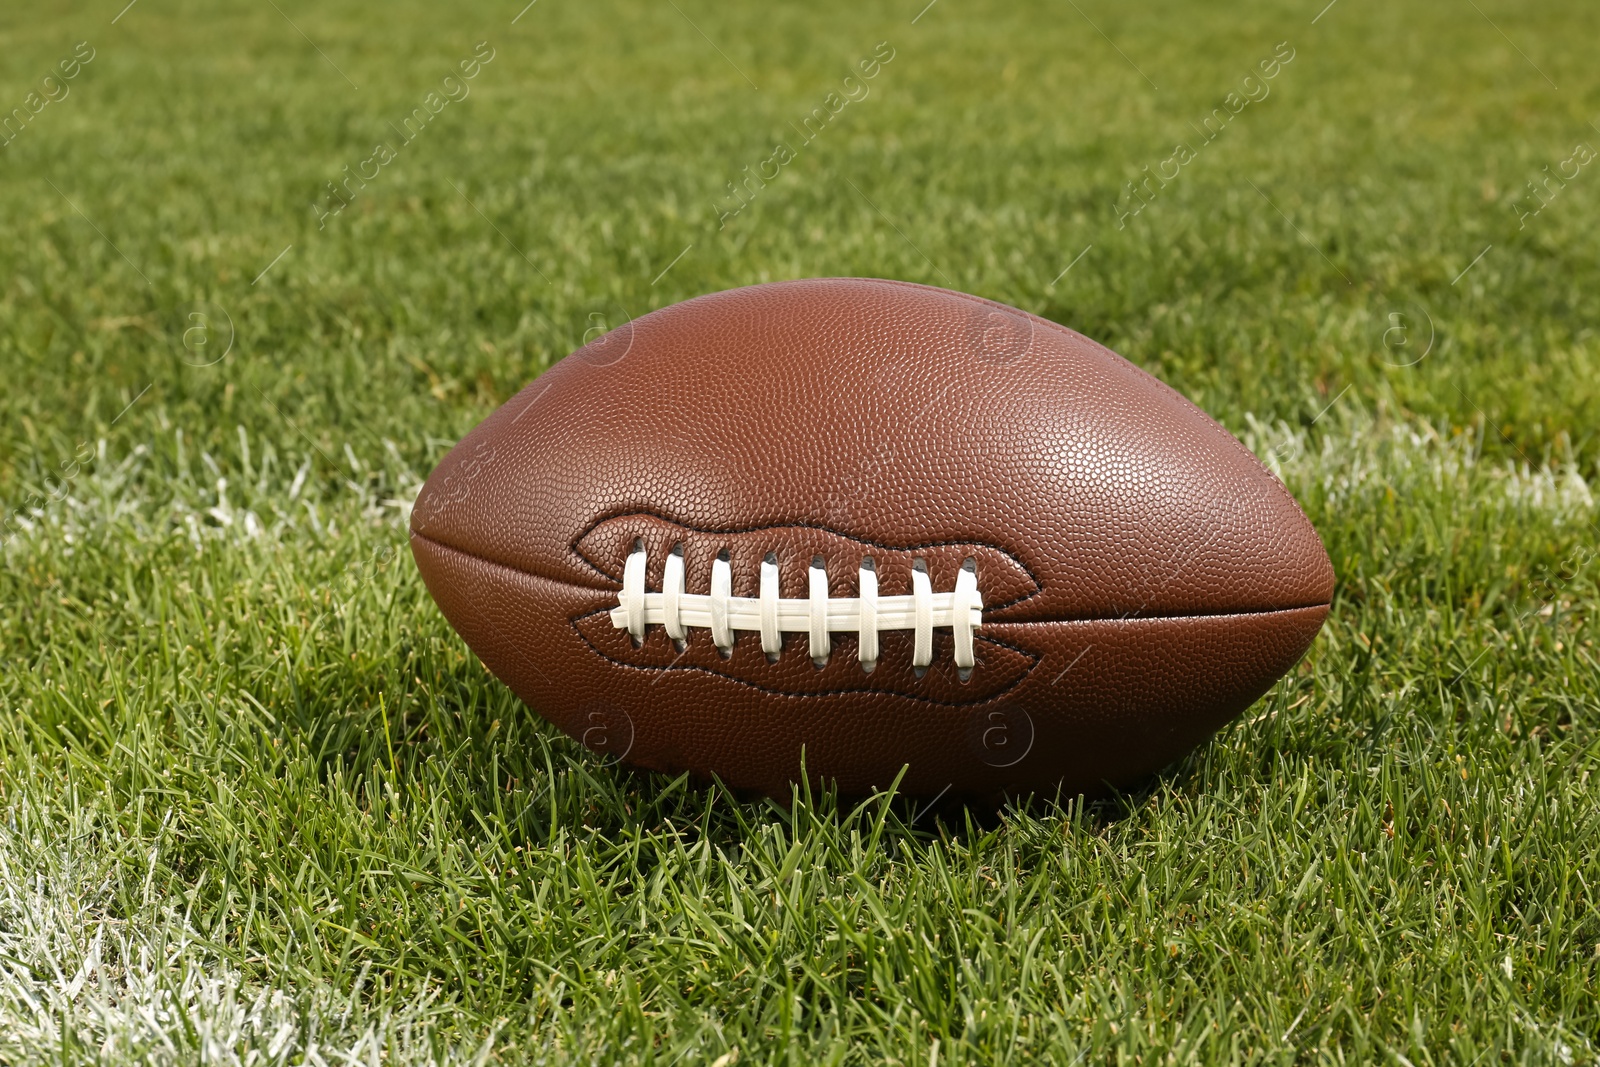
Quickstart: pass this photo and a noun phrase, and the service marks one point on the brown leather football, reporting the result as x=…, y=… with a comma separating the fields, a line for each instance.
x=854, y=526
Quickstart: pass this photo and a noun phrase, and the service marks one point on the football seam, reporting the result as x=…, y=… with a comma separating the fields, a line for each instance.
x=1126, y=617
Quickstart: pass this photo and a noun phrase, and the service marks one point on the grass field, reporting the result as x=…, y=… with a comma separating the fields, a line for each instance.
x=260, y=805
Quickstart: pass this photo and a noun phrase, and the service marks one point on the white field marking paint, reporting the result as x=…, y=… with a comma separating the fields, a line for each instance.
x=143, y=985
x=816, y=615
x=1356, y=459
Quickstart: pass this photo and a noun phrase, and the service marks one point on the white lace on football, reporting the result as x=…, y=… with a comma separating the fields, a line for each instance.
x=817, y=615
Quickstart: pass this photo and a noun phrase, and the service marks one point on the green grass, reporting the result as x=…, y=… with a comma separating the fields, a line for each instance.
x=260, y=804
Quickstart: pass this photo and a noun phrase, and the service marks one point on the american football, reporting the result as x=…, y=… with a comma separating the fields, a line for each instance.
x=845, y=529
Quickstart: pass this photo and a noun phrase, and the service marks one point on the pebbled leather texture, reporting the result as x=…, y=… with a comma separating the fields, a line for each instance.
x=1144, y=577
